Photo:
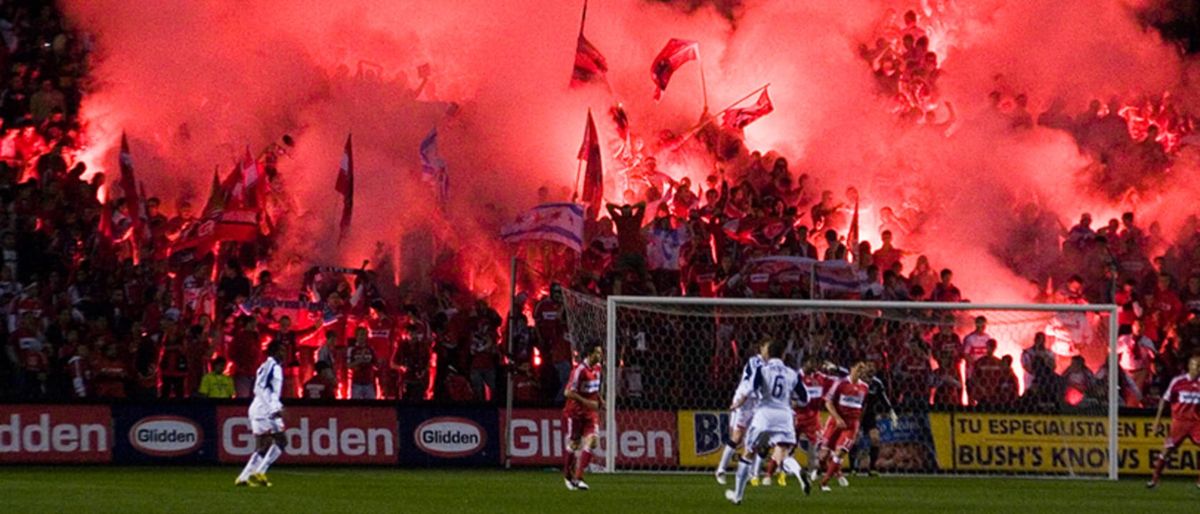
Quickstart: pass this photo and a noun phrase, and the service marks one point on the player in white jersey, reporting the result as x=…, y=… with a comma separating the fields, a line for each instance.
x=741, y=409
x=779, y=387
x=266, y=418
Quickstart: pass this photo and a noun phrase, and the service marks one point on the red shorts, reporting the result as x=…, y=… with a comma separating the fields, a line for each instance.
x=1181, y=430
x=808, y=427
x=580, y=425
x=840, y=439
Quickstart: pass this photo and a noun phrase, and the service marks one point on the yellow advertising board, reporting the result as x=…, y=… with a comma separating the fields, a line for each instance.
x=702, y=436
x=1051, y=444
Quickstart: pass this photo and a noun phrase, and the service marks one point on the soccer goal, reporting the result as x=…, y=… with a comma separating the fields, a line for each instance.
x=972, y=393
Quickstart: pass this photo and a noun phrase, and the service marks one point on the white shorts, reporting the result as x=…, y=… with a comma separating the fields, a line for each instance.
x=740, y=418
x=771, y=427
x=262, y=426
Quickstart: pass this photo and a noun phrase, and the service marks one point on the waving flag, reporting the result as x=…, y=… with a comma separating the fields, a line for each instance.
x=133, y=201
x=739, y=118
x=345, y=185
x=557, y=222
x=677, y=53
x=593, y=177
x=589, y=62
x=433, y=167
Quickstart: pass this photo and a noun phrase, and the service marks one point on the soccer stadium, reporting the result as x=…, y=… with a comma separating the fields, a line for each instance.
x=648, y=255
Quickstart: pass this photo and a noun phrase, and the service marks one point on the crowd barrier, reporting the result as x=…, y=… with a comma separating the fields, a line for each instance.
x=382, y=434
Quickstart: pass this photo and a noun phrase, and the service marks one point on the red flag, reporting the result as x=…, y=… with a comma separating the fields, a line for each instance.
x=216, y=196
x=133, y=201
x=345, y=185
x=249, y=187
x=675, y=54
x=231, y=189
x=219, y=226
x=853, y=235
x=589, y=63
x=739, y=118
x=593, y=178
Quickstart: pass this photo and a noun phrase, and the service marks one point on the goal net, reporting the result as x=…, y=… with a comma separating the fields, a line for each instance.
x=977, y=389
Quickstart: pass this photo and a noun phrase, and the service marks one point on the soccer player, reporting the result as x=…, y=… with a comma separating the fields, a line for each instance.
x=741, y=409
x=266, y=418
x=1184, y=397
x=844, y=402
x=779, y=388
x=807, y=418
x=875, y=405
x=582, y=415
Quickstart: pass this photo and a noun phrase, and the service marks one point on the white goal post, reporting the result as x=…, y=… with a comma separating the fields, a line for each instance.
x=655, y=373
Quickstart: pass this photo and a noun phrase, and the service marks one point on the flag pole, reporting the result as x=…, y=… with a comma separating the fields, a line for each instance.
x=583, y=18
x=578, y=170
x=709, y=118
x=703, y=82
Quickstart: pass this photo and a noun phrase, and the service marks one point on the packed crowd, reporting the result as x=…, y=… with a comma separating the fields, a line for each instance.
x=94, y=309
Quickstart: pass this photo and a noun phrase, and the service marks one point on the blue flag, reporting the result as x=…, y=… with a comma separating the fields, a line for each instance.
x=433, y=167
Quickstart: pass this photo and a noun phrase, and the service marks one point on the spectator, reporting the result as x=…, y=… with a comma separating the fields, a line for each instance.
x=363, y=367
x=991, y=381
x=549, y=321
x=1034, y=359
x=945, y=290
x=173, y=363
x=216, y=384
x=323, y=384
x=887, y=255
x=245, y=352
x=975, y=344
x=1136, y=352
x=45, y=101
x=1080, y=384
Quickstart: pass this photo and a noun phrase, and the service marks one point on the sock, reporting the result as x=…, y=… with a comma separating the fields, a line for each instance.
x=1158, y=467
x=874, y=454
x=743, y=477
x=585, y=458
x=834, y=468
x=255, y=460
x=569, y=457
x=757, y=469
x=771, y=465
x=726, y=455
x=792, y=467
x=272, y=453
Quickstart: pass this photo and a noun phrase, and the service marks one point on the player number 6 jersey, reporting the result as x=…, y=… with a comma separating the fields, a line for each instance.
x=777, y=386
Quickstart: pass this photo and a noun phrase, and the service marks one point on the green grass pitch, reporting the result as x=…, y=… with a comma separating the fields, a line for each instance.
x=299, y=490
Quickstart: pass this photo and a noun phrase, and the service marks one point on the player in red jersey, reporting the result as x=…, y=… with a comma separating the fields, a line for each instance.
x=808, y=418
x=844, y=401
x=582, y=415
x=1184, y=397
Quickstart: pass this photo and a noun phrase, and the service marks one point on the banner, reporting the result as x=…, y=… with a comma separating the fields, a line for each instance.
x=1053, y=444
x=558, y=222
x=164, y=433
x=65, y=434
x=341, y=435
x=449, y=437
x=702, y=436
x=647, y=438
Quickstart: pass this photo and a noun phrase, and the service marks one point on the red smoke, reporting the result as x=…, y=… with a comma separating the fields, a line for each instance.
x=194, y=83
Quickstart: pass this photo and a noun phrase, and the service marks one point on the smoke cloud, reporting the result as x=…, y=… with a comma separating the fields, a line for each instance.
x=195, y=83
